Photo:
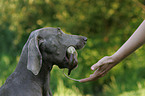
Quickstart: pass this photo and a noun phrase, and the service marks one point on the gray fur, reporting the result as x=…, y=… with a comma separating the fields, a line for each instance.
x=44, y=48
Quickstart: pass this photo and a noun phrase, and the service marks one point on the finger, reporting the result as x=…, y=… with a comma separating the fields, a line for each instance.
x=110, y=61
x=85, y=79
x=95, y=74
x=95, y=66
x=103, y=73
x=92, y=77
x=99, y=63
x=88, y=79
x=98, y=73
x=105, y=70
x=102, y=68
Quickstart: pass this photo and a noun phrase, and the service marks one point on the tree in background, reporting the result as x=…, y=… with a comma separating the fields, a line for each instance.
x=106, y=23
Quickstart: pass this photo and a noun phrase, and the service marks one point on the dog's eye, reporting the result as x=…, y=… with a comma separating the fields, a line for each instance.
x=59, y=32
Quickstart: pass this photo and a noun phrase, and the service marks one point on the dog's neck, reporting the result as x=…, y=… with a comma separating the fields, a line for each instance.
x=41, y=80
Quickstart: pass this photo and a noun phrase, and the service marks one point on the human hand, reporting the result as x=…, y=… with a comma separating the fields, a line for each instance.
x=101, y=68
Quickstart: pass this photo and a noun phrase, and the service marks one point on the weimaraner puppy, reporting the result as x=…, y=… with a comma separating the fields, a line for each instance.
x=44, y=48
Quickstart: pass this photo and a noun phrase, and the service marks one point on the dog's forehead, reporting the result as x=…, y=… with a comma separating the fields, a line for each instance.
x=46, y=31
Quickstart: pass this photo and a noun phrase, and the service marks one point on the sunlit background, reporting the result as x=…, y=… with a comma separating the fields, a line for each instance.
x=106, y=23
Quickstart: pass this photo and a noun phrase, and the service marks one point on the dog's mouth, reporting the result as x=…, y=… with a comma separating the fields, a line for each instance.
x=71, y=58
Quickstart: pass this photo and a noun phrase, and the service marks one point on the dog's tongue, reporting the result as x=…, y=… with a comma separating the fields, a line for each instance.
x=72, y=55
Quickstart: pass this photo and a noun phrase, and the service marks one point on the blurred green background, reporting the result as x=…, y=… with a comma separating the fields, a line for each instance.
x=106, y=23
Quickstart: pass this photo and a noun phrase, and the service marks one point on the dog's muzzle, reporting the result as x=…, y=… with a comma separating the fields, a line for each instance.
x=71, y=57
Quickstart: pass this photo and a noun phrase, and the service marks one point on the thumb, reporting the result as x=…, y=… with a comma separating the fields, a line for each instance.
x=104, y=60
x=95, y=66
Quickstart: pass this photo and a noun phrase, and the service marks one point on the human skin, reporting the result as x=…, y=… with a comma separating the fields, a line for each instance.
x=105, y=64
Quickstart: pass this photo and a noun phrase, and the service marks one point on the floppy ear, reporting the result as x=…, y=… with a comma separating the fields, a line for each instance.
x=34, y=56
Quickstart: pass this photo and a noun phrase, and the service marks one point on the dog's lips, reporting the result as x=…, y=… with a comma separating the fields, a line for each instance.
x=71, y=58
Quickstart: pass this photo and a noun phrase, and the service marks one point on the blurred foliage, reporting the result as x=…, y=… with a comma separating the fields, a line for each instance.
x=106, y=23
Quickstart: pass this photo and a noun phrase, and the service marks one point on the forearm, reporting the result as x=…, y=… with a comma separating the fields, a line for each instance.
x=135, y=41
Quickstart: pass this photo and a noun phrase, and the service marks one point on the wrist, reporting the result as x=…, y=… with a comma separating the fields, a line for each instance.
x=116, y=58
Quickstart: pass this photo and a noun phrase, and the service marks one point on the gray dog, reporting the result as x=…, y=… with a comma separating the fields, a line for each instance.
x=44, y=48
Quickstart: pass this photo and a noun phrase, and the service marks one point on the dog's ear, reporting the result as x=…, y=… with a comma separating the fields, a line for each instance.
x=34, y=56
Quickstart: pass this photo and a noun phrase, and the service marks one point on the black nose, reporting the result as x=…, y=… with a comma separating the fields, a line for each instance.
x=85, y=39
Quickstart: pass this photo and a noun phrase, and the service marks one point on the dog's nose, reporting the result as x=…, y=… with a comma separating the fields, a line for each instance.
x=85, y=39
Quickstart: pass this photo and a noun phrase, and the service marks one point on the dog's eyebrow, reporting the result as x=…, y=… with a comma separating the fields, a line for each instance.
x=59, y=30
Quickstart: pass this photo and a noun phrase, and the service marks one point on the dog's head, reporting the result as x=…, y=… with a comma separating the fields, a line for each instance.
x=52, y=45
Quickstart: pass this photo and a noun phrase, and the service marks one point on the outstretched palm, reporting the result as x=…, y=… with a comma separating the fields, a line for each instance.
x=101, y=68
